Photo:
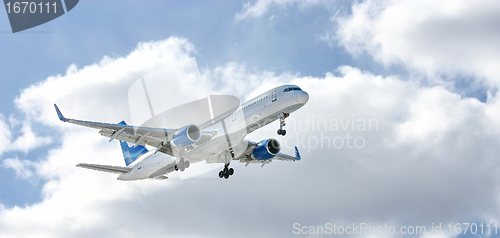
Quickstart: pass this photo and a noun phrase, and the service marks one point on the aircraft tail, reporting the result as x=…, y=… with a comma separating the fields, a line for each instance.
x=297, y=154
x=131, y=153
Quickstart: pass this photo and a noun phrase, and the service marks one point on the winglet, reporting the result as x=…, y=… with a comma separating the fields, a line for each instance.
x=61, y=117
x=297, y=154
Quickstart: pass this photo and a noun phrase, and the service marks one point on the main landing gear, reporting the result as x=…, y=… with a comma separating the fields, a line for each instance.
x=182, y=165
x=282, y=117
x=226, y=172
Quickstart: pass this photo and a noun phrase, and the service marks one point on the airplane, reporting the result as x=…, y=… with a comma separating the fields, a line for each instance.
x=191, y=144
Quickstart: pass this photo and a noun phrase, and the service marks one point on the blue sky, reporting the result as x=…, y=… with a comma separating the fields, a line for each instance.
x=426, y=71
x=82, y=38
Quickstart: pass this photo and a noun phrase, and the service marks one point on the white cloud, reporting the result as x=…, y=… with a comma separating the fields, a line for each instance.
x=261, y=7
x=433, y=152
x=89, y=86
x=23, y=168
x=437, y=38
x=99, y=89
x=73, y=197
x=5, y=135
x=26, y=141
x=235, y=79
x=29, y=140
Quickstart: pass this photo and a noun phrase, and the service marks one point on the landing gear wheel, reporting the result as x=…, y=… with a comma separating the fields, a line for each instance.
x=226, y=172
x=281, y=132
x=281, y=118
x=182, y=165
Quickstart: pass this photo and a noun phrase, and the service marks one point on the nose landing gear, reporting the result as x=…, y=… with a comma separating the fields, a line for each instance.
x=282, y=117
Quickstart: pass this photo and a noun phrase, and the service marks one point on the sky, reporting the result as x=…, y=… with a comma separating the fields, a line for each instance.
x=401, y=127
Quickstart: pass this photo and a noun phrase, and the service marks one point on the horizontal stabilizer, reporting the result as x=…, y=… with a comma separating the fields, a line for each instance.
x=106, y=168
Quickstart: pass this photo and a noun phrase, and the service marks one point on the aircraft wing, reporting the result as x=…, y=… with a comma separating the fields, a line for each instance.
x=279, y=156
x=247, y=158
x=156, y=137
x=286, y=157
x=106, y=168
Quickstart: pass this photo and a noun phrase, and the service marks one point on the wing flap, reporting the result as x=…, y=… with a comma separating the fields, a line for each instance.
x=106, y=168
x=286, y=157
x=156, y=137
x=157, y=133
x=131, y=138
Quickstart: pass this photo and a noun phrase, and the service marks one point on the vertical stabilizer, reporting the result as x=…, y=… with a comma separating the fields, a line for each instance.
x=131, y=153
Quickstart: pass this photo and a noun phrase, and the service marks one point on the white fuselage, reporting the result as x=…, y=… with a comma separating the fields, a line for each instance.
x=252, y=115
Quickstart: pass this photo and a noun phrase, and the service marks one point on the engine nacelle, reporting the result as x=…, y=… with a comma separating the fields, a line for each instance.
x=186, y=136
x=266, y=149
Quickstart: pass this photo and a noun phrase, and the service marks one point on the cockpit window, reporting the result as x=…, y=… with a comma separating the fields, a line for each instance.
x=291, y=89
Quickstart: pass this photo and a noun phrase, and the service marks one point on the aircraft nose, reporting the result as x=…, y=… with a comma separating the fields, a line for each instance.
x=302, y=97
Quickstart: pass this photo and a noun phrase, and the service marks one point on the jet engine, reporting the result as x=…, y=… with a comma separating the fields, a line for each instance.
x=186, y=136
x=266, y=149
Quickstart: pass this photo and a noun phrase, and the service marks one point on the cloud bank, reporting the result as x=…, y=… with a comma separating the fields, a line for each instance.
x=448, y=39
x=433, y=157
